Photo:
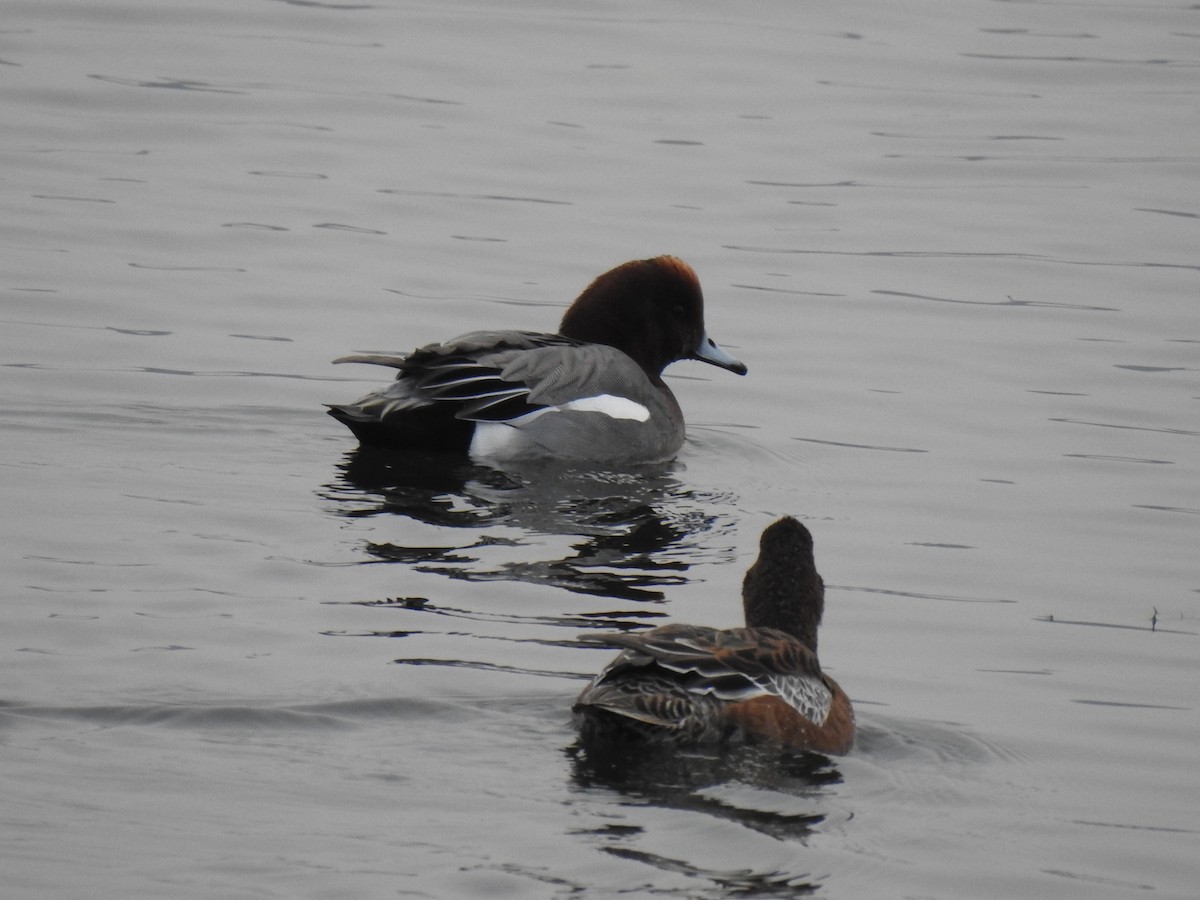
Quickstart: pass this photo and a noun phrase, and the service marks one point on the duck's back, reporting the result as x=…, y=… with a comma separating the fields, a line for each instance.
x=518, y=395
x=693, y=684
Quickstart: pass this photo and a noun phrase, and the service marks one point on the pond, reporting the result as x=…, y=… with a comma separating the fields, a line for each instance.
x=955, y=244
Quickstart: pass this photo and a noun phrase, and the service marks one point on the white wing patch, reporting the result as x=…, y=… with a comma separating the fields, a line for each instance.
x=612, y=406
x=496, y=439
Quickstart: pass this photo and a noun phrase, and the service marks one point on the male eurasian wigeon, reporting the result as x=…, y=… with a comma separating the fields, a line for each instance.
x=691, y=684
x=591, y=392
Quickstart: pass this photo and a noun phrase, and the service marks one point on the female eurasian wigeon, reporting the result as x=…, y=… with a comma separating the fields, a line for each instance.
x=591, y=392
x=692, y=684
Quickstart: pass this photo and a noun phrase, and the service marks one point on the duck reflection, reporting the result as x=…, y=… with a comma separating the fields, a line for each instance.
x=631, y=533
x=771, y=789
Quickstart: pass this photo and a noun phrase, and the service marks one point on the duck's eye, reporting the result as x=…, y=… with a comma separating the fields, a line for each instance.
x=677, y=310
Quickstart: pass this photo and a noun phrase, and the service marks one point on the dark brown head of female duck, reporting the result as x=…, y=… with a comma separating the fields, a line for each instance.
x=783, y=589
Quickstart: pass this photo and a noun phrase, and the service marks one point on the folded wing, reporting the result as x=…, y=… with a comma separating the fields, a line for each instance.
x=665, y=675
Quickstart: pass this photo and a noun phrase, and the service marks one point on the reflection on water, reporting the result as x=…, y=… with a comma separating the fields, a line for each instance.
x=608, y=620
x=633, y=532
x=668, y=772
x=730, y=883
x=775, y=791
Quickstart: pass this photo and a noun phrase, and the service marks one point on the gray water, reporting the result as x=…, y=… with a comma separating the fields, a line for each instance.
x=956, y=243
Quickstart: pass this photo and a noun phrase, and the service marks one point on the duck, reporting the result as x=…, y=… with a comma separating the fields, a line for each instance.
x=591, y=392
x=692, y=684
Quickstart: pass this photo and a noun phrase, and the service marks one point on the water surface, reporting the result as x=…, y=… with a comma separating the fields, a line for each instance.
x=956, y=245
